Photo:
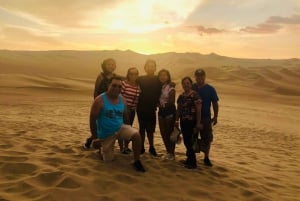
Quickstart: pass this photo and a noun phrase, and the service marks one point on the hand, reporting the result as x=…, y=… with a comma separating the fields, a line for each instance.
x=214, y=120
x=199, y=127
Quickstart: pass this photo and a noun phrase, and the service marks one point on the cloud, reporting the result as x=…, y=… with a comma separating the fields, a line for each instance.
x=67, y=13
x=264, y=28
x=294, y=19
x=272, y=25
x=204, y=30
x=106, y=15
x=26, y=36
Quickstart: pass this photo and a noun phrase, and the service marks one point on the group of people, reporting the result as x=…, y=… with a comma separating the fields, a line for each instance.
x=117, y=99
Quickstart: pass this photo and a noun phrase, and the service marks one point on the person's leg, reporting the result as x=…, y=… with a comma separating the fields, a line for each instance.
x=131, y=119
x=150, y=128
x=107, y=147
x=142, y=130
x=128, y=133
x=187, y=132
x=169, y=125
x=163, y=132
x=131, y=116
x=207, y=137
x=121, y=144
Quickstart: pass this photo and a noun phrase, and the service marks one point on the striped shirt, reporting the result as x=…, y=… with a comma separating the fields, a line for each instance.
x=130, y=93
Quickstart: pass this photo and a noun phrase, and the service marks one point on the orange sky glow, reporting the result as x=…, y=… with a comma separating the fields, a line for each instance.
x=236, y=28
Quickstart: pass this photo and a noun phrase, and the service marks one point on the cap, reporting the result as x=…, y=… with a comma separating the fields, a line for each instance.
x=199, y=72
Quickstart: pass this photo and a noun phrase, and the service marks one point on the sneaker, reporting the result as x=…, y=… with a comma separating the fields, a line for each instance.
x=138, y=166
x=166, y=157
x=184, y=162
x=171, y=157
x=152, y=151
x=207, y=162
x=86, y=145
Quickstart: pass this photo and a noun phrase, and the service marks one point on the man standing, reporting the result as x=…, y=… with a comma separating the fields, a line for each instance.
x=107, y=124
x=209, y=96
x=148, y=102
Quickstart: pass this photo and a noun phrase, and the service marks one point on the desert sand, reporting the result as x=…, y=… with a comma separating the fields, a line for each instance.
x=44, y=110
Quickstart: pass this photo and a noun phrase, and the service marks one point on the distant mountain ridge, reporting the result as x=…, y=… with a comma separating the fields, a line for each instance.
x=75, y=71
x=87, y=63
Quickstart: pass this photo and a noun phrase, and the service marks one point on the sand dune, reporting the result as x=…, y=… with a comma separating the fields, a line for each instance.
x=44, y=120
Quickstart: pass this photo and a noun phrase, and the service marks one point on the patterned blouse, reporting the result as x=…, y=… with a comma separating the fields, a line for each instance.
x=186, y=105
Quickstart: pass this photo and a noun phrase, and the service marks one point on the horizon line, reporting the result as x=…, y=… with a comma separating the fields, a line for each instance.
x=212, y=53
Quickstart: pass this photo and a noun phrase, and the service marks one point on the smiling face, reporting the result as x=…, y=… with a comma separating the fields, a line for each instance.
x=200, y=79
x=114, y=88
x=132, y=74
x=163, y=77
x=186, y=84
x=109, y=66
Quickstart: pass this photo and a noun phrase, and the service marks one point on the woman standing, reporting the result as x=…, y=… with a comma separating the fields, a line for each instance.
x=189, y=113
x=101, y=84
x=167, y=112
x=131, y=92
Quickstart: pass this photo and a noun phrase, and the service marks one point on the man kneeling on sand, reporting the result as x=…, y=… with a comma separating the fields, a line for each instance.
x=107, y=117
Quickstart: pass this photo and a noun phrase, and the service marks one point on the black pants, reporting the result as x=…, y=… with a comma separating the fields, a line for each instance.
x=187, y=129
x=131, y=114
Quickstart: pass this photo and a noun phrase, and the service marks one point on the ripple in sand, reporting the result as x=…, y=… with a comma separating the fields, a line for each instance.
x=13, y=158
x=48, y=179
x=82, y=171
x=106, y=198
x=199, y=193
x=6, y=146
x=125, y=179
x=247, y=193
x=2, y=199
x=45, y=198
x=68, y=183
x=105, y=185
x=240, y=183
x=53, y=161
x=18, y=168
x=140, y=199
x=19, y=187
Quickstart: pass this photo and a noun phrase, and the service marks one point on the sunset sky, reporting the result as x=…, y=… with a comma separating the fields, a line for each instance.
x=236, y=28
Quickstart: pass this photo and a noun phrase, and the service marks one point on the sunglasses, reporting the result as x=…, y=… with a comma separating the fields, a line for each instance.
x=116, y=86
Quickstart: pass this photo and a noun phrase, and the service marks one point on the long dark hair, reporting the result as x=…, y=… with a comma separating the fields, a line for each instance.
x=168, y=74
x=187, y=78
